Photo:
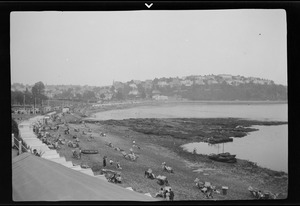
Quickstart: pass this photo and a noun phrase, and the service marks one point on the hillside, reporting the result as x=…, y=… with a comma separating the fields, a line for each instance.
x=194, y=87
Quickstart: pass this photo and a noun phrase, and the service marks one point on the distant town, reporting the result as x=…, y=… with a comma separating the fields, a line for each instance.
x=193, y=87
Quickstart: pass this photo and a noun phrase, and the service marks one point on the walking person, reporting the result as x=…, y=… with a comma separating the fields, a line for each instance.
x=79, y=154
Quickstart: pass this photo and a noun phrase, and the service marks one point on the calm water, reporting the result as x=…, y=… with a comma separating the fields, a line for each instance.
x=268, y=146
x=266, y=112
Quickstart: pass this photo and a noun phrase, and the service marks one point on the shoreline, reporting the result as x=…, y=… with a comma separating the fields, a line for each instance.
x=163, y=127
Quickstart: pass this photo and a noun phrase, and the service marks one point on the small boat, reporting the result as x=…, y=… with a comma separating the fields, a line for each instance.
x=223, y=158
x=86, y=151
x=226, y=154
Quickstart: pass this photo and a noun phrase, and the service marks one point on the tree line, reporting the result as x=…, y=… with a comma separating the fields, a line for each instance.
x=35, y=96
x=221, y=91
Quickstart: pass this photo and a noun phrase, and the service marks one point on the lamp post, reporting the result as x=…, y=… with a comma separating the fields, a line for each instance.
x=34, y=105
x=24, y=102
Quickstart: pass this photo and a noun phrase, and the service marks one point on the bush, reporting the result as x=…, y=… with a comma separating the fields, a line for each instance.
x=14, y=128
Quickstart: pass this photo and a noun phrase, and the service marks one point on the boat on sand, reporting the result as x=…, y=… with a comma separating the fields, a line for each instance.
x=223, y=157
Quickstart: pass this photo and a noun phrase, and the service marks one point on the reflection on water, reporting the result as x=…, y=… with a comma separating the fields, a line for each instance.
x=268, y=147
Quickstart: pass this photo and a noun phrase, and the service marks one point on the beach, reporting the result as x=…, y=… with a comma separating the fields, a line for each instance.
x=159, y=145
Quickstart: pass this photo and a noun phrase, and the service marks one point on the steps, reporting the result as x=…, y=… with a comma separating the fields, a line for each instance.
x=33, y=142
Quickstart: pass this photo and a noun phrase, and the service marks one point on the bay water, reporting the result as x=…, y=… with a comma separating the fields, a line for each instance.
x=268, y=146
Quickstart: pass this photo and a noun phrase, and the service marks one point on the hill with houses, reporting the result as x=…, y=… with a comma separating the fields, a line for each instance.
x=194, y=87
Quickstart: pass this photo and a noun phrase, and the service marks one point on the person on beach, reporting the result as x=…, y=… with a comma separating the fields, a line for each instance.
x=168, y=195
x=118, y=166
x=111, y=162
x=171, y=195
x=104, y=161
x=160, y=193
x=79, y=154
x=36, y=153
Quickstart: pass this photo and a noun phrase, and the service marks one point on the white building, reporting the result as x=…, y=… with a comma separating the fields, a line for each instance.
x=187, y=82
x=133, y=86
x=133, y=92
x=199, y=82
x=159, y=97
x=65, y=109
x=225, y=76
x=162, y=83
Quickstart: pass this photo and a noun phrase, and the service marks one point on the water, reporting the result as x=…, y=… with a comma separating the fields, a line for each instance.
x=268, y=146
x=264, y=112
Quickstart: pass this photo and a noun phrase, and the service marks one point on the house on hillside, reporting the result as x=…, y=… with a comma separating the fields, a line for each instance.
x=133, y=86
x=134, y=92
x=66, y=109
x=187, y=82
x=212, y=81
x=175, y=83
x=162, y=83
x=258, y=81
x=159, y=97
x=155, y=92
x=225, y=76
x=234, y=82
x=199, y=81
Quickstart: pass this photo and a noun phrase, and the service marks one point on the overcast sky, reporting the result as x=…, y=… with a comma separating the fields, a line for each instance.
x=95, y=48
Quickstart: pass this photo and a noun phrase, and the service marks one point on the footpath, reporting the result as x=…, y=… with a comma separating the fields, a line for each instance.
x=30, y=139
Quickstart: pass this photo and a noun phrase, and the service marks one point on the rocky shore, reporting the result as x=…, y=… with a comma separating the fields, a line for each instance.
x=191, y=129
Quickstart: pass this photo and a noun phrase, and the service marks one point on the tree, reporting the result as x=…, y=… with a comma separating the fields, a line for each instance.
x=113, y=89
x=28, y=97
x=88, y=95
x=119, y=95
x=17, y=97
x=38, y=91
x=102, y=96
x=142, y=91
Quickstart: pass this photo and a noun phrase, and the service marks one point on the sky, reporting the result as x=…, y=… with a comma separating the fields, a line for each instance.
x=97, y=48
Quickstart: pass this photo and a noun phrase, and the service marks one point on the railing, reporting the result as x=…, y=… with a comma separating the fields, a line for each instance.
x=18, y=143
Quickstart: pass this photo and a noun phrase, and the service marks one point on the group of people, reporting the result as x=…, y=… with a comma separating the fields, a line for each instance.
x=77, y=154
x=166, y=193
x=118, y=166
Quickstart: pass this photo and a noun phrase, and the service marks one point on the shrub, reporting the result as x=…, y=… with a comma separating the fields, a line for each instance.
x=14, y=128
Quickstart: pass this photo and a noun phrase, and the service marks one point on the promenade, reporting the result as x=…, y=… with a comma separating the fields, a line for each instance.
x=52, y=182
